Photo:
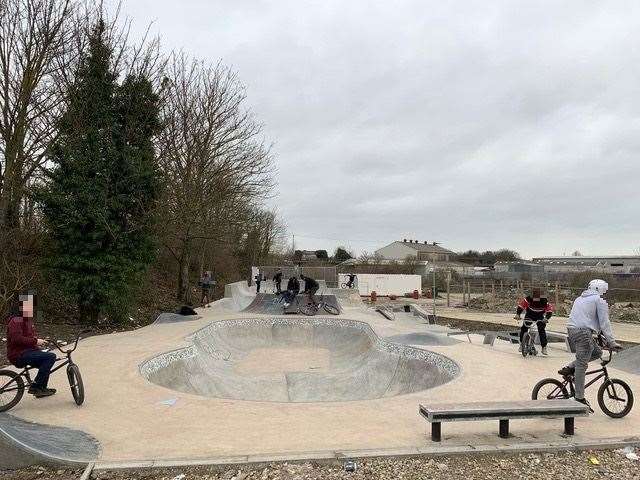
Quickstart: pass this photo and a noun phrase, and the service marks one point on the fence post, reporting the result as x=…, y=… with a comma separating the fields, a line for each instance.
x=448, y=287
x=557, y=294
x=493, y=287
x=483, y=287
x=464, y=293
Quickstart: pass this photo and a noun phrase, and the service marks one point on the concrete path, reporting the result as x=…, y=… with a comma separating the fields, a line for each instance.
x=134, y=419
x=626, y=332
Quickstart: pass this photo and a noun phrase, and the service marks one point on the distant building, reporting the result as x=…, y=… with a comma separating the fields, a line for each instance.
x=518, y=270
x=603, y=264
x=425, y=251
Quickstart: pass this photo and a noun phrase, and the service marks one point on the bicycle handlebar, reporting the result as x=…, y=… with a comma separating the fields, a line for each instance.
x=67, y=351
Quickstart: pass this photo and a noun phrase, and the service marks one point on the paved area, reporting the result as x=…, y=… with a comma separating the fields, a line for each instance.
x=134, y=419
x=626, y=332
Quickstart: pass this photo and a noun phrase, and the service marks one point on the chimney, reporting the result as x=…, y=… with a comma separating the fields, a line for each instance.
x=425, y=242
x=404, y=240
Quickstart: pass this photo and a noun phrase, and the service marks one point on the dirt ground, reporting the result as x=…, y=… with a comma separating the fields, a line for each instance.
x=530, y=466
x=627, y=312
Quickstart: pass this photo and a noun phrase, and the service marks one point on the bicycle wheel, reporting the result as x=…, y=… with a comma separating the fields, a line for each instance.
x=308, y=309
x=75, y=382
x=330, y=309
x=11, y=389
x=615, y=398
x=549, y=389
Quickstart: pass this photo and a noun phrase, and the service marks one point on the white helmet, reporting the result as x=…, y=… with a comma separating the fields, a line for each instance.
x=599, y=286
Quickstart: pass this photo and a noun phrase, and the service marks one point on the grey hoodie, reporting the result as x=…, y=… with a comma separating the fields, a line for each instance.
x=591, y=311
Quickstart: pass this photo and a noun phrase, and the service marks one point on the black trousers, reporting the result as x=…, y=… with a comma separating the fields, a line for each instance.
x=542, y=332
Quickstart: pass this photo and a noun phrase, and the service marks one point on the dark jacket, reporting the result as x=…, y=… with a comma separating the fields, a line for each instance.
x=293, y=284
x=310, y=284
x=277, y=277
x=21, y=336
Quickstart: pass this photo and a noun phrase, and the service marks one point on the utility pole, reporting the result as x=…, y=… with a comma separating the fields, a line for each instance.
x=433, y=294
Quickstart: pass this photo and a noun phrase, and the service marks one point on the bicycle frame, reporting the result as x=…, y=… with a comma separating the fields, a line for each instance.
x=63, y=363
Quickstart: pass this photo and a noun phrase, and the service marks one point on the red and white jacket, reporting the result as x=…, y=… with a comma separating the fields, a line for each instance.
x=535, y=309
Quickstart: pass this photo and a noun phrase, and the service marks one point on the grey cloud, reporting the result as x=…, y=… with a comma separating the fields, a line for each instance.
x=479, y=124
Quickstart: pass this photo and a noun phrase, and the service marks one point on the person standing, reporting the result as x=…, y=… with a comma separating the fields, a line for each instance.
x=24, y=347
x=206, y=283
x=589, y=315
x=258, y=279
x=277, y=280
x=537, y=309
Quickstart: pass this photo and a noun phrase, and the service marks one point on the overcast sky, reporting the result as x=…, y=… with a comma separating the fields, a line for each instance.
x=476, y=124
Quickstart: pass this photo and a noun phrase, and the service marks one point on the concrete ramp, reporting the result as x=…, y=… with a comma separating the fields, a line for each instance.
x=23, y=444
x=240, y=295
x=267, y=303
x=297, y=360
x=627, y=360
x=348, y=298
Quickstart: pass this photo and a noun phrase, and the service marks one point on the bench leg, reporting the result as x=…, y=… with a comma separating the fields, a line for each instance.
x=436, y=432
x=569, y=426
x=504, y=428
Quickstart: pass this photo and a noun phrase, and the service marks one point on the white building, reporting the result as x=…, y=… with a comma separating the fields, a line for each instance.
x=431, y=252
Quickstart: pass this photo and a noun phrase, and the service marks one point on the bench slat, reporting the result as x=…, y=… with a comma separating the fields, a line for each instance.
x=502, y=410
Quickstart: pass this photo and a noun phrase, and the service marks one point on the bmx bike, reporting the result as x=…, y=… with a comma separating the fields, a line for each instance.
x=311, y=308
x=13, y=384
x=527, y=345
x=615, y=396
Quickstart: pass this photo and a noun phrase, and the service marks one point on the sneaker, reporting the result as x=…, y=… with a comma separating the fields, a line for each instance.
x=40, y=392
x=544, y=351
x=584, y=402
x=286, y=305
x=520, y=348
x=567, y=371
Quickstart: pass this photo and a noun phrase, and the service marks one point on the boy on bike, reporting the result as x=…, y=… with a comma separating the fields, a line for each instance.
x=537, y=309
x=23, y=346
x=310, y=288
x=352, y=277
x=589, y=315
x=277, y=280
x=293, y=287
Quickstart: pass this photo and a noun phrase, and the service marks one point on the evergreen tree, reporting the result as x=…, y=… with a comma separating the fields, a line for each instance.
x=99, y=200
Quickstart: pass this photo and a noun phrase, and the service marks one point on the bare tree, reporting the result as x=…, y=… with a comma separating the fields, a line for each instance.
x=34, y=37
x=217, y=167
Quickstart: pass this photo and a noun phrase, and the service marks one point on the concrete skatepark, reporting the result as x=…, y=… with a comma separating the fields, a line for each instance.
x=234, y=386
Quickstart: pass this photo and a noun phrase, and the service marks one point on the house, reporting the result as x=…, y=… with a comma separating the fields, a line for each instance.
x=421, y=251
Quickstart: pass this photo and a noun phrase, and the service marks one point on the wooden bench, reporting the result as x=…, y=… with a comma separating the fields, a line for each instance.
x=502, y=411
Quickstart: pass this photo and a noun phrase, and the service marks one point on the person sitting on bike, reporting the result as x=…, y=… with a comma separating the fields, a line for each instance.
x=293, y=287
x=352, y=277
x=537, y=309
x=277, y=280
x=23, y=346
x=310, y=288
x=589, y=315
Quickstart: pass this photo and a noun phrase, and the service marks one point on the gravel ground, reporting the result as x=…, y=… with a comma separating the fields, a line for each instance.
x=530, y=466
